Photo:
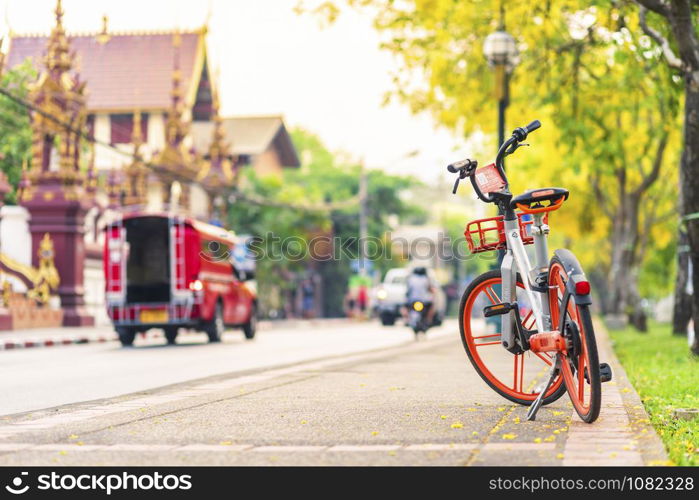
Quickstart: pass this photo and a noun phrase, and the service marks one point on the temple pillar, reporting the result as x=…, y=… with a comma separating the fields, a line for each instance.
x=64, y=220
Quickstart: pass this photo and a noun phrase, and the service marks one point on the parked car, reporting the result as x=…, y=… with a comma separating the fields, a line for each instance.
x=171, y=272
x=391, y=296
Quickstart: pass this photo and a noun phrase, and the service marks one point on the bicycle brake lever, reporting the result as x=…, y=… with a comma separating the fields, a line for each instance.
x=514, y=147
x=456, y=185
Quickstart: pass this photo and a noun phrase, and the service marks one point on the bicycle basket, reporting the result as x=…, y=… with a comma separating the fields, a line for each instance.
x=484, y=235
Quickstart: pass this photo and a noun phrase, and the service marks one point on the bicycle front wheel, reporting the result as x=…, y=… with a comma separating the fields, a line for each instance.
x=514, y=376
x=580, y=363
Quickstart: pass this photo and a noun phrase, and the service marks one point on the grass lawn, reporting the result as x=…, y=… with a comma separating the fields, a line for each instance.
x=666, y=376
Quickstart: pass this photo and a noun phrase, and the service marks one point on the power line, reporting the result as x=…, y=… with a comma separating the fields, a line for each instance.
x=238, y=194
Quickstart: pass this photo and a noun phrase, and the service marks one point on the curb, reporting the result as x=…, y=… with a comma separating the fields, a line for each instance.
x=9, y=345
x=29, y=343
x=623, y=435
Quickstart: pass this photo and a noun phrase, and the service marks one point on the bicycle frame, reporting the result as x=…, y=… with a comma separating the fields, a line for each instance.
x=516, y=260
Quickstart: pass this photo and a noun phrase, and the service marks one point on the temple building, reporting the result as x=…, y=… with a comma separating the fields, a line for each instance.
x=159, y=84
x=149, y=107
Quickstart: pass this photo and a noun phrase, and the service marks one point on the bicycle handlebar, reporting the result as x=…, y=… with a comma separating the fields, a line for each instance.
x=466, y=168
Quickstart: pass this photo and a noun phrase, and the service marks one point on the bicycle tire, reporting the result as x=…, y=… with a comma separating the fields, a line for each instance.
x=557, y=389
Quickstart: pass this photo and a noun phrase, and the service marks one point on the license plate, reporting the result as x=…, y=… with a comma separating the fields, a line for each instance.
x=154, y=316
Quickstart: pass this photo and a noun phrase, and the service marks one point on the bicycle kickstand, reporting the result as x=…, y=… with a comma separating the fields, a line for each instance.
x=534, y=408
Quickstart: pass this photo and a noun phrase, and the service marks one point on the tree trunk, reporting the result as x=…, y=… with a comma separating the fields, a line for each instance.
x=690, y=176
x=624, y=299
x=682, y=308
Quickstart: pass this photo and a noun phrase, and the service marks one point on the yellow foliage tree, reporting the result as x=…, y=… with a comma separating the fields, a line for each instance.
x=607, y=101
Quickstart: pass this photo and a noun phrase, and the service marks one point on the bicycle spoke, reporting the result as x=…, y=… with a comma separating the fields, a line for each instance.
x=487, y=343
x=529, y=316
x=492, y=295
x=486, y=336
x=546, y=359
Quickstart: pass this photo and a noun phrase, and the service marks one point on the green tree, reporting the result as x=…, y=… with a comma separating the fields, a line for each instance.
x=15, y=145
x=277, y=215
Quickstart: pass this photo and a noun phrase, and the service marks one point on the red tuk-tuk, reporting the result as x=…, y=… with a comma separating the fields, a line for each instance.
x=171, y=272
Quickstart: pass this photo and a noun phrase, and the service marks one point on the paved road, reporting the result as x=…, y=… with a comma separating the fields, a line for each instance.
x=42, y=378
x=392, y=401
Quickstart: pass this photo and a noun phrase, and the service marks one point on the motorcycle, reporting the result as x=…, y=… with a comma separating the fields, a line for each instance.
x=417, y=316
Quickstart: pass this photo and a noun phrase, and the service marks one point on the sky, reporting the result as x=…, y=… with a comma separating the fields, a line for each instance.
x=330, y=80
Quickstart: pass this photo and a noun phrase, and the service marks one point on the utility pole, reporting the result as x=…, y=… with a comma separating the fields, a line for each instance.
x=363, y=216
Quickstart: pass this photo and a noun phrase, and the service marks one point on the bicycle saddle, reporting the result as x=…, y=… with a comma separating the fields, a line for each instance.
x=533, y=201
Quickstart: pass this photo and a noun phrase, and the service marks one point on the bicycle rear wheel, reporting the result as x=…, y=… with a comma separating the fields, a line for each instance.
x=513, y=376
x=580, y=363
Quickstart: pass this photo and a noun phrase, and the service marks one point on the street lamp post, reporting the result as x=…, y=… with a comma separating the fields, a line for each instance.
x=500, y=50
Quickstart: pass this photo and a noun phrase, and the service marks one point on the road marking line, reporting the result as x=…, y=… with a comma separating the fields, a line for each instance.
x=214, y=447
x=365, y=447
x=221, y=448
x=441, y=447
x=518, y=446
x=288, y=449
x=14, y=446
x=142, y=447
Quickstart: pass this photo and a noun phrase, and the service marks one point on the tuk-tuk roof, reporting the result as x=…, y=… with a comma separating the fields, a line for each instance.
x=209, y=230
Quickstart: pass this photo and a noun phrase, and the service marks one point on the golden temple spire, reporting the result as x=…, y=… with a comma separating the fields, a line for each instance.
x=218, y=171
x=136, y=173
x=175, y=128
x=219, y=146
x=58, y=58
x=103, y=36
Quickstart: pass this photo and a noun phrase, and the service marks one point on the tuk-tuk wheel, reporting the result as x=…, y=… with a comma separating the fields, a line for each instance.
x=171, y=334
x=126, y=335
x=214, y=329
x=250, y=328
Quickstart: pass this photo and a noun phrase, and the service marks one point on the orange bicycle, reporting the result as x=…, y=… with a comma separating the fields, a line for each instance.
x=545, y=340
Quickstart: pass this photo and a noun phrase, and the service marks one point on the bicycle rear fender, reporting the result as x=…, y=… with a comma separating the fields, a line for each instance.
x=575, y=275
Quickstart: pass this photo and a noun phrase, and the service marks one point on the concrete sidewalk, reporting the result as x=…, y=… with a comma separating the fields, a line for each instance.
x=416, y=404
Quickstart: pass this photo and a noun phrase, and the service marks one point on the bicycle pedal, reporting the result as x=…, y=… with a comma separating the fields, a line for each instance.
x=605, y=372
x=498, y=309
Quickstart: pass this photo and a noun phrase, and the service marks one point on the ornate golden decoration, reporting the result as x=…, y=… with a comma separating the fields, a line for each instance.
x=44, y=279
x=136, y=173
x=56, y=141
x=218, y=170
x=104, y=36
x=175, y=162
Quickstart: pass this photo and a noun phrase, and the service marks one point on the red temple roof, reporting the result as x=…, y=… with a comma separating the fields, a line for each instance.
x=128, y=70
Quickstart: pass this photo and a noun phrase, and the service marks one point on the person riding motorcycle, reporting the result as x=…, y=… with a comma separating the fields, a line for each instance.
x=421, y=289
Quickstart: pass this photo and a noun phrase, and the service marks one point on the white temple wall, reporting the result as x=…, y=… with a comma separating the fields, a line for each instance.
x=16, y=240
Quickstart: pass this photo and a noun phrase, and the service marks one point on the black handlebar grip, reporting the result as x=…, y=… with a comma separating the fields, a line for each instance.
x=458, y=165
x=532, y=126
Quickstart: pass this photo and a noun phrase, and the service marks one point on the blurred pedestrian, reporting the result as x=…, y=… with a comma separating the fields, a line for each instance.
x=307, y=299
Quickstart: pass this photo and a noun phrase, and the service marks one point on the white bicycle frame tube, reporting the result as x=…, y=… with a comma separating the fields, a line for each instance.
x=516, y=260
